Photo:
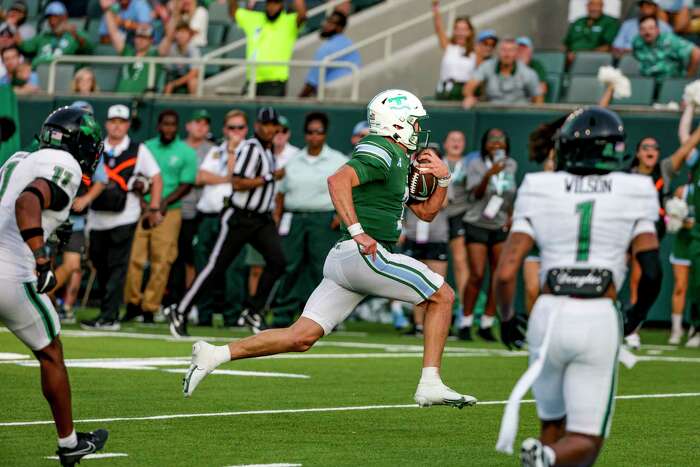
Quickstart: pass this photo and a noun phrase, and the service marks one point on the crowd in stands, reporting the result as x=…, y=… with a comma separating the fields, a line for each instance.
x=177, y=29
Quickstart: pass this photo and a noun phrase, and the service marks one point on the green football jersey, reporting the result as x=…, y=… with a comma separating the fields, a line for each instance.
x=382, y=167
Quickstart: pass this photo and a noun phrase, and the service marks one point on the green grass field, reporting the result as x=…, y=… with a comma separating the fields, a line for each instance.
x=361, y=384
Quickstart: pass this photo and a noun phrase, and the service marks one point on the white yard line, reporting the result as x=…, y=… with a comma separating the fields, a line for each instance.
x=266, y=465
x=311, y=410
x=257, y=374
x=103, y=455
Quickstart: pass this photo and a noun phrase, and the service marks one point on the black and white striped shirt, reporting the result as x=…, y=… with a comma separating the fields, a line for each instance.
x=252, y=161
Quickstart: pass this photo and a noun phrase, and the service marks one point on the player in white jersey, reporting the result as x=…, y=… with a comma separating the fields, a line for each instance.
x=36, y=193
x=584, y=218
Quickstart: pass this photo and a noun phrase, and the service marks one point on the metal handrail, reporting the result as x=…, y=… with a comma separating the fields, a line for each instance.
x=201, y=63
x=324, y=8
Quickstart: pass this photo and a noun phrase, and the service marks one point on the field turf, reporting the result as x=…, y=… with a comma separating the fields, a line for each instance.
x=360, y=381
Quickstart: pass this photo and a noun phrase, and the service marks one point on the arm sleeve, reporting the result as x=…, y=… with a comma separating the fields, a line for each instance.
x=684, y=49
x=524, y=209
x=244, y=18
x=481, y=73
x=59, y=198
x=65, y=174
x=533, y=84
x=188, y=174
x=647, y=203
x=621, y=41
x=210, y=162
x=569, y=33
x=369, y=167
x=145, y=163
x=247, y=160
x=143, y=13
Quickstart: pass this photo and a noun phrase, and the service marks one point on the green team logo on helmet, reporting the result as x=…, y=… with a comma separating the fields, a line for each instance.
x=90, y=128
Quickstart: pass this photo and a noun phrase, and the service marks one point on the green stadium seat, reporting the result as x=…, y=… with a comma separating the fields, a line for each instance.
x=642, y=92
x=64, y=76
x=79, y=23
x=629, y=66
x=553, y=61
x=588, y=63
x=33, y=8
x=218, y=11
x=105, y=50
x=583, y=90
x=672, y=90
x=94, y=10
x=234, y=33
x=216, y=34
x=106, y=75
x=553, y=87
x=93, y=30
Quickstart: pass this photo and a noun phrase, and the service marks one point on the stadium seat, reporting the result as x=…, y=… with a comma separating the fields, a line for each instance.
x=106, y=75
x=629, y=66
x=588, y=63
x=583, y=90
x=553, y=61
x=642, y=92
x=105, y=50
x=79, y=23
x=64, y=76
x=32, y=8
x=216, y=33
x=94, y=10
x=93, y=30
x=672, y=90
x=553, y=87
x=218, y=11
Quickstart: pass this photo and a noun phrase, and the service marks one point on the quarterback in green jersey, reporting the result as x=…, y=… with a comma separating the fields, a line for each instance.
x=369, y=193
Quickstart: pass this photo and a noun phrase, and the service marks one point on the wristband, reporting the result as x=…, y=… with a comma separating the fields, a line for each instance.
x=41, y=252
x=445, y=181
x=355, y=229
x=268, y=177
x=31, y=233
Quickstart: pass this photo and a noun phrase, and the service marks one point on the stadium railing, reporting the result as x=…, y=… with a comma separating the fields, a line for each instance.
x=202, y=63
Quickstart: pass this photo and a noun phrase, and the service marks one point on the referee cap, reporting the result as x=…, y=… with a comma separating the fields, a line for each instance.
x=268, y=115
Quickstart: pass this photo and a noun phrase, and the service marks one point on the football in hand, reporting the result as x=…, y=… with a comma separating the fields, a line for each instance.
x=420, y=185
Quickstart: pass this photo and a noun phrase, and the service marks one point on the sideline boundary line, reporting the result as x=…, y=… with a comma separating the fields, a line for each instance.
x=313, y=410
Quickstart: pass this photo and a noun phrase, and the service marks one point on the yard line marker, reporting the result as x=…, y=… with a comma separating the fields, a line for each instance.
x=313, y=410
x=102, y=455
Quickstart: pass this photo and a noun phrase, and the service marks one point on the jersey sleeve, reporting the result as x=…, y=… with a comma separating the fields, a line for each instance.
x=371, y=163
x=62, y=170
x=525, y=207
x=145, y=163
x=645, y=205
x=211, y=161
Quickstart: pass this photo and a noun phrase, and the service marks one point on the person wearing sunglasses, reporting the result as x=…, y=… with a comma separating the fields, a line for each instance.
x=307, y=221
x=490, y=187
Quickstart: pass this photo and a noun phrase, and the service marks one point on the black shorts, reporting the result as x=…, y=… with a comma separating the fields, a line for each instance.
x=474, y=234
x=425, y=251
x=456, y=226
x=76, y=244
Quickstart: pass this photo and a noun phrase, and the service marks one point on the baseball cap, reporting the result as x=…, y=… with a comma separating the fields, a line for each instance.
x=268, y=115
x=55, y=9
x=144, y=30
x=487, y=34
x=118, y=111
x=85, y=105
x=283, y=121
x=18, y=6
x=200, y=114
x=524, y=41
x=647, y=1
x=360, y=127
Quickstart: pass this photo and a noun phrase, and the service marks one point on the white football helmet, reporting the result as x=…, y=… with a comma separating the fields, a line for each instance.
x=394, y=113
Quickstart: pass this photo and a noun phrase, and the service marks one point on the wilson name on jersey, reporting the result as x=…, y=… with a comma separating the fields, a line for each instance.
x=19, y=171
x=585, y=221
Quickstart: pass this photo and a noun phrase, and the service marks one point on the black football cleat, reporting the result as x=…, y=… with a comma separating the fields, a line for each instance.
x=177, y=321
x=254, y=320
x=465, y=333
x=486, y=334
x=88, y=443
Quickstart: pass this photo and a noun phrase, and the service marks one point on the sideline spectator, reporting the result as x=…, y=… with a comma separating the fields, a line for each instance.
x=15, y=24
x=198, y=19
x=490, y=184
x=306, y=217
x=62, y=38
x=334, y=41
x=84, y=82
x=112, y=217
x=282, y=149
x=594, y=32
x=129, y=15
x=458, y=60
x=179, y=77
x=505, y=80
x=630, y=28
x=19, y=75
x=158, y=245
x=525, y=51
x=359, y=131
x=577, y=8
x=664, y=55
x=270, y=37
x=454, y=145
x=133, y=77
x=182, y=272
x=228, y=292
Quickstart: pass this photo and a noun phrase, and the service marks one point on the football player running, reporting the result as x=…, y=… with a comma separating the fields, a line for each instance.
x=37, y=190
x=583, y=218
x=369, y=193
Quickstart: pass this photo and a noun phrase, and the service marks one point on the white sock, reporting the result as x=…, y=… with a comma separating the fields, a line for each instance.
x=222, y=354
x=466, y=321
x=69, y=441
x=677, y=323
x=419, y=327
x=549, y=454
x=486, y=321
x=430, y=373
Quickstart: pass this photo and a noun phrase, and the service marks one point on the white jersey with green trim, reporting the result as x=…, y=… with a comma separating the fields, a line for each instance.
x=585, y=221
x=19, y=171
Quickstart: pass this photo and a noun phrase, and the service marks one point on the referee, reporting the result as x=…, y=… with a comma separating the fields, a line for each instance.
x=247, y=219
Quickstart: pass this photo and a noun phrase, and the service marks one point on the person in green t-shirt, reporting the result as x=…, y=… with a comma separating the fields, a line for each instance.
x=270, y=36
x=595, y=32
x=158, y=245
x=663, y=54
x=62, y=38
x=369, y=194
x=133, y=77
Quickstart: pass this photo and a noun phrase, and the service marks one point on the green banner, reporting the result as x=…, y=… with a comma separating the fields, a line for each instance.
x=8, y=108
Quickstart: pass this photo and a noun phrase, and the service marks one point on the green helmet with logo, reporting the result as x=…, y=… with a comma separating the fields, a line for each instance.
x=75, y=131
